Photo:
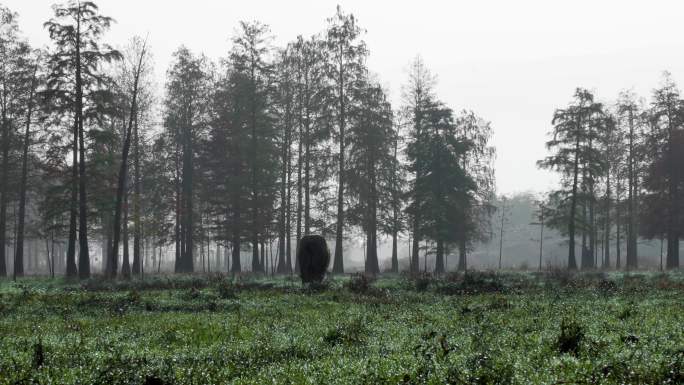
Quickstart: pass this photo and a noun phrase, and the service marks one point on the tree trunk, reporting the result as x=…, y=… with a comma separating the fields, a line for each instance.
x=606, y=259
x=125, y=264
x=177, y=206
x=299, y=199
x=236, y=263
x=572, y=261
x=4, y=183
x=541, y=236
x=415, y=247
x=19, y=255
x=71, y=269
x=283, y=199
x=187, y=257
x=372, y=265
x=338, y=264
x=137, y=225
x=501, y=234
x=462, y=255
x=307, y=178
x=439, y=257
x=395, y=256
x=83, y=255
x=631, y=260
x=122, y=185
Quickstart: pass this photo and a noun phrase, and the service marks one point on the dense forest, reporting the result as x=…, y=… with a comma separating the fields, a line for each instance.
x=239, y=157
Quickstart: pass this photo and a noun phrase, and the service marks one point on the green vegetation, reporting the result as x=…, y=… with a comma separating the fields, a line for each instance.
x=482, y=328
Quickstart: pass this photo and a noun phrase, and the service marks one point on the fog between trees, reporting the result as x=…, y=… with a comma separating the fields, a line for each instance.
x=241, y=156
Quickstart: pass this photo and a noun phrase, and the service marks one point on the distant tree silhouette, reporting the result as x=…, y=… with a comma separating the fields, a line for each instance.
x=574, y=155
x=442, y=189
x=14, y=53
x=346, y=66
x=186, y=114
x=249, y=60
x=370, y=166
x=123, y=172
x=417, y=95
x=31, y=80
x=478, y=163
x=664, y=180
x=75, y=81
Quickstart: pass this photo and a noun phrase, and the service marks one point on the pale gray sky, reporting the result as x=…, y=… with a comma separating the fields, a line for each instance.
x=513, y=62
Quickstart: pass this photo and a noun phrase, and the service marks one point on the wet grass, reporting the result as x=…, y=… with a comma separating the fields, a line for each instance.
x=480, y=328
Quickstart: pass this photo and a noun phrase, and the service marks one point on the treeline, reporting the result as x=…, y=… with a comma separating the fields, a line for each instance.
x=241, y=156
x=621, y=176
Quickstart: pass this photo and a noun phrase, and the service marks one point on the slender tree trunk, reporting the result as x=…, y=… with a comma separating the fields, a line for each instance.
x=4, y=183
x=541, y=236
x=284, y=235
x=283, y=201
x=83, y=255
x=125, y=264
x=71, y=269
x=631, y=262
x=425, y=257
x=299, y=193
x=592, y=226
x=661, y=253
x=287, y=255
x=462, y=255
x=395, y=206
x=372, y=265
x=236, y=263
x=188, y=211
x=501, y=234
x=178, y=205
x=439, y=257
x=572, y=261
x=588, y=260
x=585, y=250
x=415, y=246
x=161, y=258
x=254, y=174
x=122, y=189
x=673, y=233
x=19, y=256
x=256, y=266
x=395, y=252
x=609, y=225
x=137, y=192
x=338, y=264
x=307, y=178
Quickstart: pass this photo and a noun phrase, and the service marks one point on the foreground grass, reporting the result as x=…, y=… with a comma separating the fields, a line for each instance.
x=484, y=328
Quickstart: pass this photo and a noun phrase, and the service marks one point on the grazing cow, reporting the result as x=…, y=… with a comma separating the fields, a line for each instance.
x=314, y=257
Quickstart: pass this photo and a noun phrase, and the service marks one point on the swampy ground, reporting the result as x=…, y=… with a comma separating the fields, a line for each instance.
x=479, y=328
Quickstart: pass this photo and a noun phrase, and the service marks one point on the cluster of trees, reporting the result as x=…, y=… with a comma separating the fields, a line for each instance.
x=240, y=155
x=622, y=178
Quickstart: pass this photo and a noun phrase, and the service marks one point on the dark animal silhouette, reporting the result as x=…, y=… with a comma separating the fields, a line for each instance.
x=314, y=257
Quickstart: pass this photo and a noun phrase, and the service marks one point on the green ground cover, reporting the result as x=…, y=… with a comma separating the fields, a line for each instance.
x=483, y=328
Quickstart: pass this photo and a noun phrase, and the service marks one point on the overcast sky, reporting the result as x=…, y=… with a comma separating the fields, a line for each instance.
x=512, y=62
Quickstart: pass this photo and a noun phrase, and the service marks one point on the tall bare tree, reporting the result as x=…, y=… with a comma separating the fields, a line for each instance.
x=123, y=172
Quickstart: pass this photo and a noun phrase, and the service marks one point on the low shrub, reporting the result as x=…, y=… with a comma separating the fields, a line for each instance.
x=352, y=332
x=570, y=337
x=360, y=284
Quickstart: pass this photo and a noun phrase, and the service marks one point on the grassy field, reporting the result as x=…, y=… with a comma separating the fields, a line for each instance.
x=483, y=328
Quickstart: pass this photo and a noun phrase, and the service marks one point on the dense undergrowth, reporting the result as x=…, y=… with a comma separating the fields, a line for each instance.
x=479, y=328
